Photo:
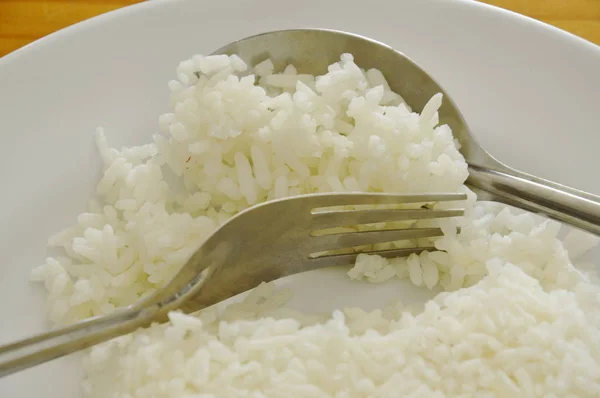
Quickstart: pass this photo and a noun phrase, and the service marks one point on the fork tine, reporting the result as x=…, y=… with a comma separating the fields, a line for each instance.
x=362, y=238
x=332, y=260
x=350, y=199
x=346, y=218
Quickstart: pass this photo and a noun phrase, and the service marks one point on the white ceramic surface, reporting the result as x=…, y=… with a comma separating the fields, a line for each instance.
x=529, y=92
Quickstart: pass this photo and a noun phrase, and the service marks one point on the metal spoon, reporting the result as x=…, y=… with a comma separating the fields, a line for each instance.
x=312, y=50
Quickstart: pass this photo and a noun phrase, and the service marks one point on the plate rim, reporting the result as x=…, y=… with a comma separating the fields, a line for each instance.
x=122, y=12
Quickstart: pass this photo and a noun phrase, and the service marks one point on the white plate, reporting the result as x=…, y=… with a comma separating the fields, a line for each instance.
x=529, y=92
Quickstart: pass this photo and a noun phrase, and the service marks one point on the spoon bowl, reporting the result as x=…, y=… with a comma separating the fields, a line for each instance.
x=311, y=51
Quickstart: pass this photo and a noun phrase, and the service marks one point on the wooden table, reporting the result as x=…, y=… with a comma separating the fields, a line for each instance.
x=22, y=21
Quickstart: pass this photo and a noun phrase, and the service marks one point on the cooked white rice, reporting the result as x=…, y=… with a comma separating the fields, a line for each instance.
x=505, y=336
x=519, y=318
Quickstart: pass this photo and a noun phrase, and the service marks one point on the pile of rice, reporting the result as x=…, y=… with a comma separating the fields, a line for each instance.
x=516, y=316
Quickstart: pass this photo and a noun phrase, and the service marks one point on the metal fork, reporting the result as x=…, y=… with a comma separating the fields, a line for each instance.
x=260, y=244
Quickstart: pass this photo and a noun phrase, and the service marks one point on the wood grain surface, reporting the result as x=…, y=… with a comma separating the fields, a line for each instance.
x=23, y=21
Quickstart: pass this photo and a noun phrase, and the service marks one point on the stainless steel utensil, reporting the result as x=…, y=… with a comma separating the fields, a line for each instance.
x=311, y=50
x=261, y=244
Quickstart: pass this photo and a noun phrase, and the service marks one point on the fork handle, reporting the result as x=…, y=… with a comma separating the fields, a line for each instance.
x=571, y=206
x=57, y=343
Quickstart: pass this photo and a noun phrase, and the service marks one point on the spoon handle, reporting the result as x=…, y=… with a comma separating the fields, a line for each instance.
x=568, y=205
x=57, y=343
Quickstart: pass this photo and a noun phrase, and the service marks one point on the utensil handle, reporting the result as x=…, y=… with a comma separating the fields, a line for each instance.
x=57, y=343
x=571, y=206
